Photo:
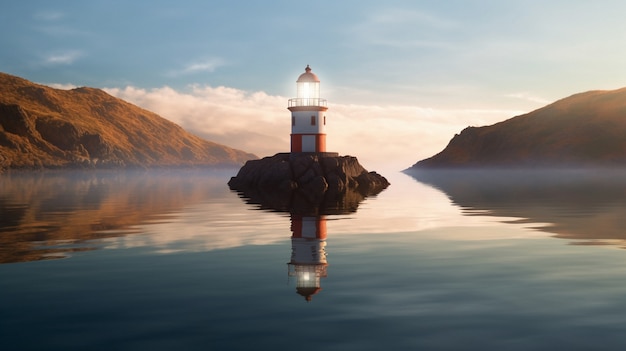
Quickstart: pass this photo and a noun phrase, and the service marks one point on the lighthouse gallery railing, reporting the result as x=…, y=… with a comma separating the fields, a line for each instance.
x=295, y=102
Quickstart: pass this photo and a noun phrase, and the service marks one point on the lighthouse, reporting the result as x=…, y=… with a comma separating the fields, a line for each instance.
x=308, y=115
x=308, y=254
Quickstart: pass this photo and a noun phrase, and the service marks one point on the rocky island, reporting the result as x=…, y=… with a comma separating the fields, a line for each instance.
x=307, y=183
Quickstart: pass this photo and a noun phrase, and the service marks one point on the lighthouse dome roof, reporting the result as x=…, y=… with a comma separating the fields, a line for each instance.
x=308, y=76
x=308, y=292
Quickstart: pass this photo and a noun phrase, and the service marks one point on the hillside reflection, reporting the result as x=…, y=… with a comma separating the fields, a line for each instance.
x=50, y=215
x=586, y=206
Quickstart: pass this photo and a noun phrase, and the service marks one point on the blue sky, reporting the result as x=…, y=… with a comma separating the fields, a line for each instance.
x=401, y=77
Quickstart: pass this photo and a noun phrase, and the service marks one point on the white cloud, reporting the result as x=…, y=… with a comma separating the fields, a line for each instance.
x=50, y=15
x=380, y=136
x=51, y=23
x=206, y=66
x=404, y=29
x=209, y=65
x=66, y=86
x=62, y=57
x=529, y=97
x=397, y=16
x=254, y=122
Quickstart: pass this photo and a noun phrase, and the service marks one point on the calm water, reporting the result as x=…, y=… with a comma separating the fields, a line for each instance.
x=176, y=261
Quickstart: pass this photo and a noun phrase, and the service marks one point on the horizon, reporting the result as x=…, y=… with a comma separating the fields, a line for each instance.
x=412, y=73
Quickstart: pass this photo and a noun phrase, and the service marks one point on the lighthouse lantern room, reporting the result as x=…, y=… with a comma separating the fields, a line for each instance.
x=308, y=115
x=308, y=254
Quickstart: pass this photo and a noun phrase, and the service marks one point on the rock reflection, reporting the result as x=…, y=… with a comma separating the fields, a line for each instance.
x=587, y=206
x=308, y=264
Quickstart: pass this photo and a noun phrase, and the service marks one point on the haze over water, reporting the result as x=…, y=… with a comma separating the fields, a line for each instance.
x=175, y=260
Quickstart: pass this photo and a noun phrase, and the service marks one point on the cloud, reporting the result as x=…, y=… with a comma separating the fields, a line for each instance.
x=62, y=57
x=66, y=86
x=49, y=16
x=51, y=23
x=397, y=16
x=404, y=29
x=529, y=97
x=255, y=122
x=390, y=136
x=206, y=66
x=209, y=65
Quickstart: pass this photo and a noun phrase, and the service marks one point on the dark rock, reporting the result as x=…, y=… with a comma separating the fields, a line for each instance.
x=369, y=183
x=57, y=132
x=308, y=183
x=95, y=146
x=15, y=120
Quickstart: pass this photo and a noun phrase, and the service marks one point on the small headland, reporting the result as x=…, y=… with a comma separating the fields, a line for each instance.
x=322, y=180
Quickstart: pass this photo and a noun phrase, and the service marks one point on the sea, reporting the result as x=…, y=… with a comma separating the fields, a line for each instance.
x=440, y=260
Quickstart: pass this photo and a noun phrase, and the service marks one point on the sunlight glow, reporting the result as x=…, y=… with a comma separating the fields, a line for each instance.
x=305, y=91
x=363, y=130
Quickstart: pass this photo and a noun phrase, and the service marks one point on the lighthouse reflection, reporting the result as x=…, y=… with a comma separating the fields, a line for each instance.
x=308, y=254
x=308, y=264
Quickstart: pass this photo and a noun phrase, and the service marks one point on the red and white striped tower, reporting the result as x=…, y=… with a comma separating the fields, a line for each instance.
x=308, y=115
x=308, y=253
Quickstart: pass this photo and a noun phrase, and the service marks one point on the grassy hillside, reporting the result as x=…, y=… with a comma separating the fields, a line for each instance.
x=42, y=127
x=587, y=129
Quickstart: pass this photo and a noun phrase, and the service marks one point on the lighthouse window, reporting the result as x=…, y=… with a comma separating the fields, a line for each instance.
x=324, y=119
x=293, y=120
x=312, y=120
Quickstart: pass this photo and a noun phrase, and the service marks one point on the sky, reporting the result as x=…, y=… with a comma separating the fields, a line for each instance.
x=401, y=77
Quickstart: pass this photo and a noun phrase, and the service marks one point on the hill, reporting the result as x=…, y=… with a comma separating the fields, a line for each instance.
x=583, y=130
x=43, y=127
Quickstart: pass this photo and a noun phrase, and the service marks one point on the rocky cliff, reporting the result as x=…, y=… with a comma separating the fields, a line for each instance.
x=583, y=130
x=307, y=183
x=42, y=127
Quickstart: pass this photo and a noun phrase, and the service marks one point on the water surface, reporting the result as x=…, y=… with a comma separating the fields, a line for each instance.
x=175, y=260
